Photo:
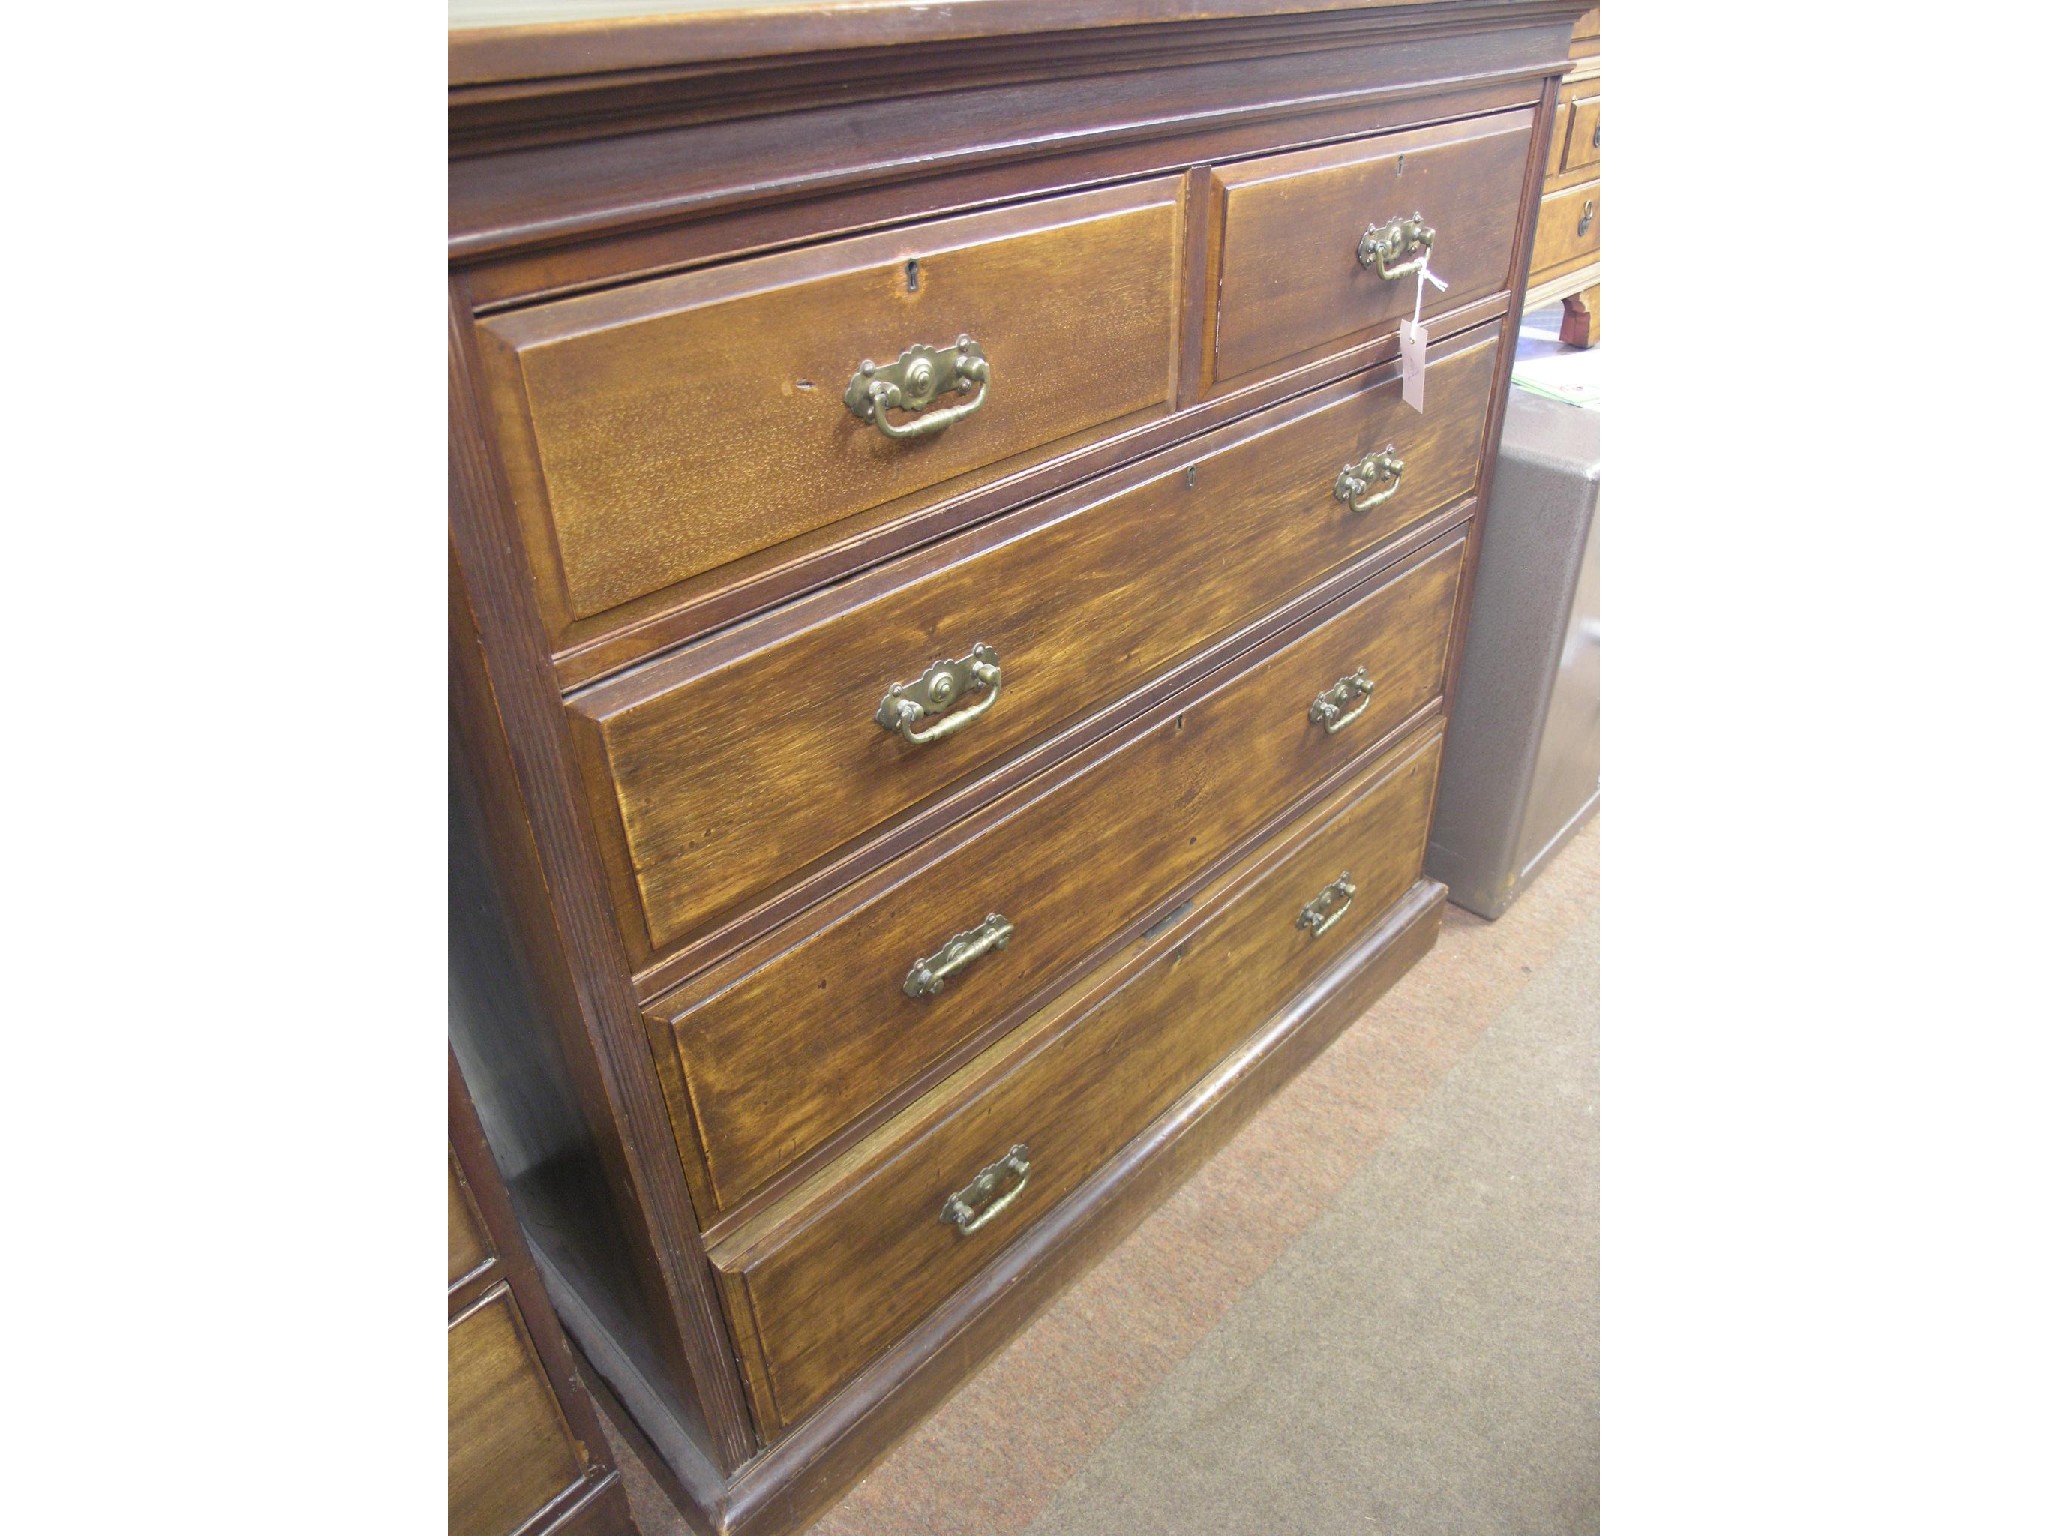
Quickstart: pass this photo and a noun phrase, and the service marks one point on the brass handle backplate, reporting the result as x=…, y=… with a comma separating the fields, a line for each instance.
x=1586, y=219
x=1331, y=903
x=964, y=1208
x=1386, y=243
x=944, y=683
x=927, y=977
x=1355, y=481
x=1329, y=710
x=914, y=381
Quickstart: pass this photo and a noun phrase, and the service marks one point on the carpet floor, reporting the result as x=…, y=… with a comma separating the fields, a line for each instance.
x=1375, y=1311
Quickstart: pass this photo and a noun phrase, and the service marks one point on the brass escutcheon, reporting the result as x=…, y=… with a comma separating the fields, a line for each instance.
x=1375, y=469
x=928, y=976
x=943, y=683
x=1385, y=243
x=960, y=1207
x=1330, y=903
x=914, y=381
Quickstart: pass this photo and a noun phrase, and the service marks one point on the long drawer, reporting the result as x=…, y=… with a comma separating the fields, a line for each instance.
x=827, y=1279
x=772, y=1052
x=1292, y=276
x=661, y=431
x=746, y=761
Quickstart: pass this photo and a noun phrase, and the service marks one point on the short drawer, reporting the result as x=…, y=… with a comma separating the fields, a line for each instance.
x=824, y=1282
x=749, y=759
x=770, y=1053
x=1567, y=228
x=659, y=432
x=510, y=1453
x=1291, y=276
x=1582, y=135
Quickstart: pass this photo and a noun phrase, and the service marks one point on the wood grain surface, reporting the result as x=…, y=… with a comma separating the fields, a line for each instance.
x=510, y=1453
x=1288, y=276
x=1559, y=243
x=469, y=1249
x=1579, y=149
x=722, y=770
x=684, y=423
x=850, y=1262
x=774, y=1051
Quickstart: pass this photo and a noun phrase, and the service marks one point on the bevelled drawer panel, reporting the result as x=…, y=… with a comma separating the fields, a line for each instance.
x=1582, y=135
x=658, y=432
x=1567, y=228
x=1290, y=278
x=510, y=1453
x=776, y=1049
x=749, y=759
x=469, y=1247
x=828, y=1278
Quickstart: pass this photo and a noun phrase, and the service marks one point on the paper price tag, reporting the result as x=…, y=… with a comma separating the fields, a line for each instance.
x=1414, y=358
x=1415, y=339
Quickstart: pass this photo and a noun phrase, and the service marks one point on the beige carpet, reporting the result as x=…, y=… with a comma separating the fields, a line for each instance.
x=1374, y=1311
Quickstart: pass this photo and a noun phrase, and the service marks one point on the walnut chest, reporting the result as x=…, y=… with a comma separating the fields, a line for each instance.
x=952, y=608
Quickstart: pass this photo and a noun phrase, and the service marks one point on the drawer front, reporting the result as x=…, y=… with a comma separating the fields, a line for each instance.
x=661, y=431
x=1582, y=136
x=774, y=1059
x=1567, y=228
x=751, y=759
x=469, y=1247
x=509, y=1451
x=830, y=1283
x=1289, y=279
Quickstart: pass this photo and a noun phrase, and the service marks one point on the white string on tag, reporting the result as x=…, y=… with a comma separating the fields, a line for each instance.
x=1424, y=275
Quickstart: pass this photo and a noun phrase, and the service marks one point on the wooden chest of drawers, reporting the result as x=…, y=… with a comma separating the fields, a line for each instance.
x=952, y=616
x=525, y=1454
x=1566, y=261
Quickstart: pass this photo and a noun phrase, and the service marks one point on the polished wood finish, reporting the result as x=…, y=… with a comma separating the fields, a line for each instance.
x=825, y=1280
x=592, y=200
x=1084, y=601
x=1566, y=263
x=683, y=424
x=1580, y=146
x=525, y=1454
x=804, y=1471
x=1568, y=226
x=509, y=1452
x=764, y=1060
x=469, y=1250
x=1287, y=227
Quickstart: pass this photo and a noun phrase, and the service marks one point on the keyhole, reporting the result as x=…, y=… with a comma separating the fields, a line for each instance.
x=910, y=273
x=1400, y=164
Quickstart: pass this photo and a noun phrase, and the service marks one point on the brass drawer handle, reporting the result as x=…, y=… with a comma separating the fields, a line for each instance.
x=1329, y=712
x=1596, y=136
x=1331, y=903
x=914, y=381
x=943, y=683
x=959, y=1208
x=1389, y=242
x=927, y=977
x=1586, y=219
x=1354, y=480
